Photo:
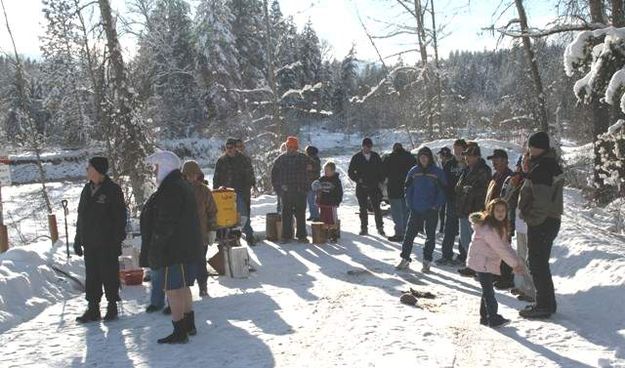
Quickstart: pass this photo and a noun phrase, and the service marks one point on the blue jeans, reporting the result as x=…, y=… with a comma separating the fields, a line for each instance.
x=312, y=204
x=157, y=294
x=416, y=221
x=399, y=213
x=466, y=231
x=243, y=209
x=488, y=306
x=451, y=231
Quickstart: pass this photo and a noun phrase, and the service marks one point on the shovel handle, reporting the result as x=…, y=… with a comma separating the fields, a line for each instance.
x=65, y=209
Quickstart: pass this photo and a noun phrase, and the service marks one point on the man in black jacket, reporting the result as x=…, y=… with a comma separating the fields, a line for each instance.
x=172, y=241
x=365, y=169
x=395, y=167
x=100, y=230
x=453, y=170
x=289, y=177
x=234, y=170
x=470, y=194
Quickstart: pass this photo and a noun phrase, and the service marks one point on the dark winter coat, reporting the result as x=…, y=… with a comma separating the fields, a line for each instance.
x=101, y=217
x=453, y=171
x=541, y=195
x=425, y=188
x=366, y=174
x=170, y=229
x=395, y=167
x=496, y=185
x=290, y=173
x=315, y=169
x=234, y=172
x=471, y=189
x=331, y=191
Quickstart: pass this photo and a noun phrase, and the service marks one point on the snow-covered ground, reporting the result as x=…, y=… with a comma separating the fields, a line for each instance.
x=323, y=306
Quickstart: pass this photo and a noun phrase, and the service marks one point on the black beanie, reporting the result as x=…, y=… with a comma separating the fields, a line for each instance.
x=367, y=142
x=539, y=140
x=100, y=164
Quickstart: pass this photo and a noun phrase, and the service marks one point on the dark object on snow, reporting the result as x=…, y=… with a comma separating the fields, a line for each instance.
x=152, y=308
x=179, y=336
x=92, y=314
x=422, y=294
x=167, y=310
x=409, y=299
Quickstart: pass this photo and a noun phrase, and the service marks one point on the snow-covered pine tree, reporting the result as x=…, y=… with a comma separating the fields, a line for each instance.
x=166, y=48
x=249, y=31
x=309, y=55
x=67, y=97
x=218, y=60
x=598, y=57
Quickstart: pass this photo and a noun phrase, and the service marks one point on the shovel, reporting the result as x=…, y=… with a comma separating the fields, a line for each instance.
x=66, y=212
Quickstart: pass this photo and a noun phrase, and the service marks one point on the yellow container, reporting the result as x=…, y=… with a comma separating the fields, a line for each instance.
x=226, y=201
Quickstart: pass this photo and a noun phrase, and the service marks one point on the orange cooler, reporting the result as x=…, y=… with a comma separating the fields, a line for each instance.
x=226, y=201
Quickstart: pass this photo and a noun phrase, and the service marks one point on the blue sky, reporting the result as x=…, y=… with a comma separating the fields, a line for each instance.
x=334, y=20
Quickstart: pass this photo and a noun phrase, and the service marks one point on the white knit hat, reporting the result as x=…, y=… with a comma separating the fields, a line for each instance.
x=167, y=162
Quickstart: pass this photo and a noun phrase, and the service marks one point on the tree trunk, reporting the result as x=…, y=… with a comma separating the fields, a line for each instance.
x=531, y=58
x=618, y=14
x=129, y=136
x=421, y=37
x=271, y=77
x=437, y=74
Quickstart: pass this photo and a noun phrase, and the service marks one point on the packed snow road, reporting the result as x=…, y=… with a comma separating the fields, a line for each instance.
x=337, y=305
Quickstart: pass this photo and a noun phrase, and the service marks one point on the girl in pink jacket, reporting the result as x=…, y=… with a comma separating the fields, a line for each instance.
x=489, y=246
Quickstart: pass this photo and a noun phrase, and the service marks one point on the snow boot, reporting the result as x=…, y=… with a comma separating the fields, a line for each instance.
x=395, y=238
x=533, y=312
x=404, y=264
x=444, y=262
x=363, y=232
x=92, y=314
x=203, y=290
x=111, y=312
x=179, y=336
x=381, y=232
x=303, y=240
x=426, y=267
x=189, y=321
x=503, y=284
x=167, y=310
x=152, y=308
x=497, y=321
x=466, y=272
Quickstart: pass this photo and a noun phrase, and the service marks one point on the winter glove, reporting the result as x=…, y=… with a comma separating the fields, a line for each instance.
x=78, y=250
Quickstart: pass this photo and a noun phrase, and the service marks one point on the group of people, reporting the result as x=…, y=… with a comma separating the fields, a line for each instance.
x=178, y=221
x=485, y=209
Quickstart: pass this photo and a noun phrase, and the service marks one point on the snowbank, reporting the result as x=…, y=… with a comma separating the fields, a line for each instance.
x=29, y=284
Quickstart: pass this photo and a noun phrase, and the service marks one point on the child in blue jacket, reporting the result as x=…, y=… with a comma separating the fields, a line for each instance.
x=425, y=195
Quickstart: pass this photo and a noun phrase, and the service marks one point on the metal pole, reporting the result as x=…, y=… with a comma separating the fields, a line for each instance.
x=66, y=212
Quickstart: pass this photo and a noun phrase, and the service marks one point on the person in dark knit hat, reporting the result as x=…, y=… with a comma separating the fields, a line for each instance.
x=541, y=206
x=365, y=169
x=100, y=230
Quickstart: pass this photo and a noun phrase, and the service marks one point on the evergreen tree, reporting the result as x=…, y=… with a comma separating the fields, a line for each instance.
x=168, y=46
x=309, y=55
x=218, y=61
x=249, y=31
